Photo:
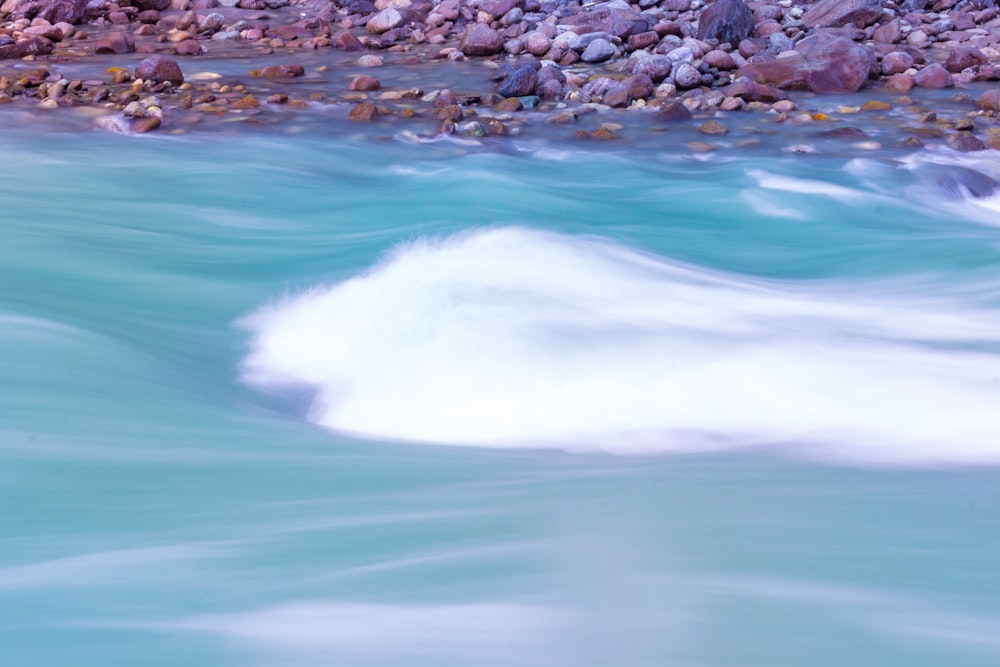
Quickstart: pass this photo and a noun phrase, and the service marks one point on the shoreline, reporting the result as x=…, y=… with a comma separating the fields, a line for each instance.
x=169, y=68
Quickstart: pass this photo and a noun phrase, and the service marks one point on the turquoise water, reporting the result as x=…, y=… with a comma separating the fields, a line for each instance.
x=324, y=400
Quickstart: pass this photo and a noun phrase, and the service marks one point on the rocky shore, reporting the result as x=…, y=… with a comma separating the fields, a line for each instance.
x=543, y=63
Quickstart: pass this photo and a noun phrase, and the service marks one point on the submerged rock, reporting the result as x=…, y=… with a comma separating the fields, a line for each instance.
x=961, y=182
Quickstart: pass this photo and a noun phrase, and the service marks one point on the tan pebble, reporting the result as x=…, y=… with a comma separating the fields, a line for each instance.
x=363, y=112
x=603, y=132
x=876, y=105
x=48, y=104
x=713, y=128
x=847, y=109
x=370, y=61
x=246, y=102
x=783, y=106
x=700, y=147
x=731, y=104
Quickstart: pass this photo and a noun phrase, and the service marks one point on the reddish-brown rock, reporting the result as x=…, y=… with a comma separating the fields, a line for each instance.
x=279, y=71
x=964, y=57
x=900, y=83
x=823, y=63
x=990, y=100
x=64, y=11
x=890, y=33
x=347, y=42
x=364, y=83
x=836, y=64
x=896, y=62
x=751, y=91
x=615, y=21
x=674, y=111
x=115, y=42
x=189, y=47
x=29, y=45
x=160, y=69
x=934, y=76
x=838, y=13
x=480, y=40
x=726, y=21
x=362, y=113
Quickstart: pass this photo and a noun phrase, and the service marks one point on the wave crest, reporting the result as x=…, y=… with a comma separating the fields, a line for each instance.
x=514, y=337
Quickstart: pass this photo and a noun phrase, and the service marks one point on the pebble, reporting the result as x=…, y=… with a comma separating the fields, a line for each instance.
x=713, y=128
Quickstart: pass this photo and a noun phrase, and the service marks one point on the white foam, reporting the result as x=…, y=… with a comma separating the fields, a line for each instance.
x=518, y=338
x=805, y=186
x=983, y=209
x=481, y=633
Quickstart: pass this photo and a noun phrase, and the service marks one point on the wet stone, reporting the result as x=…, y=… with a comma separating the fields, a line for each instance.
x=159, y=69
x=713, y=128
x=934, y=76
x=876, y=105
x=143, y=125
x=964, y=142
x=363, y=112
x=116, y=42
x=598, y=51
x=520, y=83
x=246, y=102
x=364, y=83
x=279, y=72
x=674, y=111
x=990, y=101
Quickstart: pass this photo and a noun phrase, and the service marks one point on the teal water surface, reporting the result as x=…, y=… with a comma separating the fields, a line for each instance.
x=316, y=401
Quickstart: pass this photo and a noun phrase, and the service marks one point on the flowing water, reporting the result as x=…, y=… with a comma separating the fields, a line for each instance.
x=327, y=399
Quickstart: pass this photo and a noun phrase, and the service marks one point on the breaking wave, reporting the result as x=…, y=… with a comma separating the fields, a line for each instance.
x=513, y=337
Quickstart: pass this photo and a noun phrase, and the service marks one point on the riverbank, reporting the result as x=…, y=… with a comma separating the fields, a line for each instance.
x=845, y=74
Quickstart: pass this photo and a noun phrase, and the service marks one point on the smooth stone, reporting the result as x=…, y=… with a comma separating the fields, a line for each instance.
x=965, y=142
x=839, y=13
x=520, y=83
x=726, y=21
x=160, y=69
x=362, y=113
x=990, y=100
x=686, y=76
x=279, y=71
x=480, y=40
x=713, y=128
x=598, y=51
x=934, y=76
x=384, y=21
x=116, y=42
x=364, y=83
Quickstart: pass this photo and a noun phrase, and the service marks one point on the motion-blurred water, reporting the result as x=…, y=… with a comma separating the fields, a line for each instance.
x=715, y=412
